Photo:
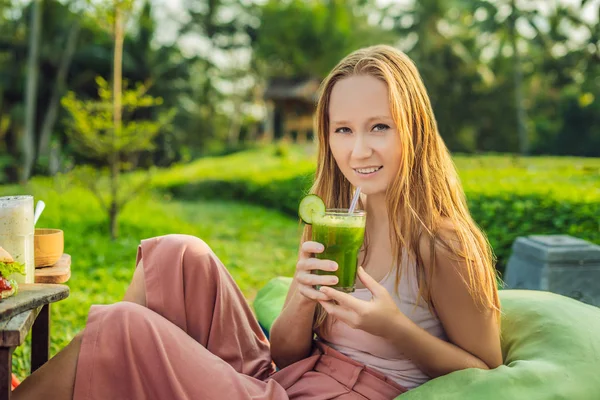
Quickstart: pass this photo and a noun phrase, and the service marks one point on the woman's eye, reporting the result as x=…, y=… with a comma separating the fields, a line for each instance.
x=343, y=130
x=381, y=127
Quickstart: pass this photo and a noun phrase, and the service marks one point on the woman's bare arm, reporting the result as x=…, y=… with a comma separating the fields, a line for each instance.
x=292, y=331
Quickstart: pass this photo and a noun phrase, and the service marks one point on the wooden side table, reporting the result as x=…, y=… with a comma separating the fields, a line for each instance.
x=28, y=310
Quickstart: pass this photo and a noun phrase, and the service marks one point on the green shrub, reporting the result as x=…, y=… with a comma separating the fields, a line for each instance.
x=508, y=197
x=282, y=195
x=282, y=149
x=502, y=217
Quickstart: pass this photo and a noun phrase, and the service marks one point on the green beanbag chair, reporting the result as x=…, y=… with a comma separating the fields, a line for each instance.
x=550, y=343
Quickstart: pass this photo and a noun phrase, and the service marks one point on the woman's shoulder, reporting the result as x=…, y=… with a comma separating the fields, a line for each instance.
x=444, y=238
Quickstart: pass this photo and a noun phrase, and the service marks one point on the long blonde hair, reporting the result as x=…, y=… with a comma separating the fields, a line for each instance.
x=426, y=189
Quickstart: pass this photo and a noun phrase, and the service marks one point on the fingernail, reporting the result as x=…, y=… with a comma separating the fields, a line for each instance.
x=334, y=266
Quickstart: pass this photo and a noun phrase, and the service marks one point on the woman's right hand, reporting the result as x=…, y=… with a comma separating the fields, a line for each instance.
x=306, y=279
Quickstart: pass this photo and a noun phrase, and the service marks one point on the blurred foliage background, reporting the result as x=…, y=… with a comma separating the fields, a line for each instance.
x=504, y=75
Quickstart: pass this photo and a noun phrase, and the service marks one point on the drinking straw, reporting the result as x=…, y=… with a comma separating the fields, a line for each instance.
x=354, y=201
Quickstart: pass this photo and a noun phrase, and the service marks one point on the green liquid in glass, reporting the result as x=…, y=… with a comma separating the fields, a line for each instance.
x=342, y=234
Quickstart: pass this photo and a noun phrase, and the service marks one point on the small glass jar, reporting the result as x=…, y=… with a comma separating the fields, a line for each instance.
x=16, y=233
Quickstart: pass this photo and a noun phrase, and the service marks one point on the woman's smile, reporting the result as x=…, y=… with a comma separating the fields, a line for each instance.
x=367, y=172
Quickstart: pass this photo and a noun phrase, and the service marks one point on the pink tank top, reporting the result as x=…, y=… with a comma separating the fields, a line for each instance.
x=377, y=353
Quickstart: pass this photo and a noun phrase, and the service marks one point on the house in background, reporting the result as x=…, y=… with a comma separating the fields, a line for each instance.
x=291, y=105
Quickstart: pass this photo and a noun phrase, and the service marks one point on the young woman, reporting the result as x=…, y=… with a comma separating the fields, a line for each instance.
x=426, y=302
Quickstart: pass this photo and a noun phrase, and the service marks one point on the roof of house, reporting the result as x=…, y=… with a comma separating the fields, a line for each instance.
x=293, y=88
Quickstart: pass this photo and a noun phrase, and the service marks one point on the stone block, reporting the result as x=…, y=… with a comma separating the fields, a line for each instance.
x=560, y=264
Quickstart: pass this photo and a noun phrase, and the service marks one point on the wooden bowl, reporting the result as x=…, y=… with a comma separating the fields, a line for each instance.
x=49, y=245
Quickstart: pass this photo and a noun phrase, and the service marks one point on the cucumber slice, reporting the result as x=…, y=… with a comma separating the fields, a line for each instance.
x=309, y=206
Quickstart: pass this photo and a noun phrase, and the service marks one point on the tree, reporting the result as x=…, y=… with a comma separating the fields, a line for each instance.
x=13, y=56
x=564, y=88
x=433, y=34
x=518, y=79
x=44, y=156
x=168, y=73
x=59, y=44
x=31, y=91
x=223, y=79
x=502, y=28
x=300, y=38
x=91, y=127
x=93, y=131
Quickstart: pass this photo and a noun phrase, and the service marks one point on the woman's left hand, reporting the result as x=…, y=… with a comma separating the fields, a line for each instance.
x=375, y=317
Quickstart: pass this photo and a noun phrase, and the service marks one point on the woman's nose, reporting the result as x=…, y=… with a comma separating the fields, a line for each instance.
x=361, y=148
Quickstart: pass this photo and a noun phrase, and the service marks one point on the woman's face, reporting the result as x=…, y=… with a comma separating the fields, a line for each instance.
x=362, y=135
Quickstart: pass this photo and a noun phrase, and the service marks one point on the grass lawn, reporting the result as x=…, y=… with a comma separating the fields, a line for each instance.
x=254, y=243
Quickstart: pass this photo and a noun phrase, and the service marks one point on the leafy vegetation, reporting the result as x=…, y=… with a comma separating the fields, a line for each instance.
x=502, y=75
x=508, y=197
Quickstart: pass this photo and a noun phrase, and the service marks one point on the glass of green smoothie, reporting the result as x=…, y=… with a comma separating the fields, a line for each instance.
x=342, y=233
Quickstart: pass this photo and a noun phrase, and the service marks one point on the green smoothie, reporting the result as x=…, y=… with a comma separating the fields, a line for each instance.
x=342, y=234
